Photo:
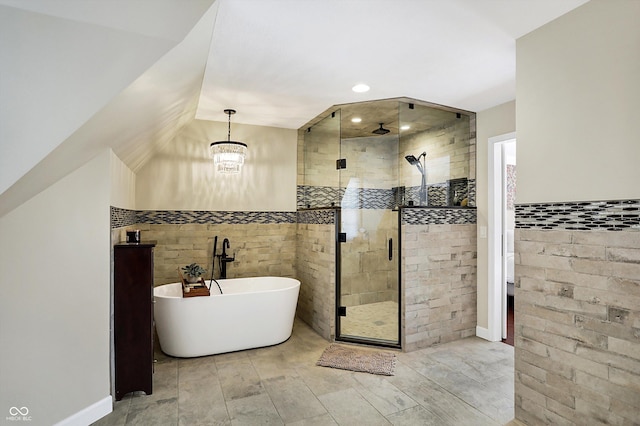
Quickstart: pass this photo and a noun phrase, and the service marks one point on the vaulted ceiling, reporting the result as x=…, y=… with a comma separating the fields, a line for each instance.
x=281, y=62
x=78, y=76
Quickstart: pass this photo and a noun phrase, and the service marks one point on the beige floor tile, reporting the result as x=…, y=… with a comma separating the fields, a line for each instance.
x=160, y=412
x=253, y=410
x=381, y=394
x=348, y=407
x=239, y=379
x=467, y=382
x=293, y=399
x=323, y=380
x=445, y=405
x=417, y=415
x=323, y=420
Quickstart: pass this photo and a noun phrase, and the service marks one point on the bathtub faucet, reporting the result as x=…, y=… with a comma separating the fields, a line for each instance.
x=224, y=258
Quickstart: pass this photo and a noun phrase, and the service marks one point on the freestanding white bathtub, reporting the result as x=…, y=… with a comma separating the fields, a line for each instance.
x=250, y=313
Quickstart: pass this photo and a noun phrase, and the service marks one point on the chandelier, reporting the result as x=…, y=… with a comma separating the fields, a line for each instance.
x=228, y=156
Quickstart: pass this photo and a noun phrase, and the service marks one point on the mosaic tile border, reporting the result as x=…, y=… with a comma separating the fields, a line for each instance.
x=180, y=217
x=472, y=193
x=411, y=216
x=317, y=217
x=439, y=216
x=122, y=217
x=372, y=198
x=367, y=198
x=317, y=196
x=617, y=215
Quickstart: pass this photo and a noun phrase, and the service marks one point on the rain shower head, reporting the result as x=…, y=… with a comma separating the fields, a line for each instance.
x=381, y=130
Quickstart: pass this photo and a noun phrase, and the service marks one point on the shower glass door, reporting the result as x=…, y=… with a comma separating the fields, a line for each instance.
x=368, y=306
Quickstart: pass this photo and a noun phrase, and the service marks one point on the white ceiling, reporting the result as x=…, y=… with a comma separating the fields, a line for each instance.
x=128, y=74
x=282, y=62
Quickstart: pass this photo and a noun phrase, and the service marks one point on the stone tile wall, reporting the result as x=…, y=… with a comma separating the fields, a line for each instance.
x=438, y=253
x=263, y=243
x=439, y=283
x=448, y=151
x=577, y=317
x=259, y=249
x=315, y=268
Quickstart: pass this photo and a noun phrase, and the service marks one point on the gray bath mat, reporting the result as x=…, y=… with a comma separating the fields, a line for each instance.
x=355, y=359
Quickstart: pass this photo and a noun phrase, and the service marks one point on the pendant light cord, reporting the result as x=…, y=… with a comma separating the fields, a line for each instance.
x=229, y=113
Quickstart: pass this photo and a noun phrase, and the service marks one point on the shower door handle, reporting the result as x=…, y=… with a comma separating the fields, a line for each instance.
x=390, y=248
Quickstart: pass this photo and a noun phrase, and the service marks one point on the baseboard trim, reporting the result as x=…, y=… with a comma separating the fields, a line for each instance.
x=90, y=414
x=483, y=333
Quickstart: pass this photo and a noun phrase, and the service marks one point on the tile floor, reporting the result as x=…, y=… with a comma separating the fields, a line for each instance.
x=468, y=382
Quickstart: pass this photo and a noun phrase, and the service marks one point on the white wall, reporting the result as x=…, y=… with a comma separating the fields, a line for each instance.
x=54, y=298
x=123, y=184
x=493, y=122
x=182, y=176
x=578, y=92
x=101, y=84
x=59, y=72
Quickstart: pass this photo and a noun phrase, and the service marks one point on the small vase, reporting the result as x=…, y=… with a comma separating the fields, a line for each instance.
x=192, y=280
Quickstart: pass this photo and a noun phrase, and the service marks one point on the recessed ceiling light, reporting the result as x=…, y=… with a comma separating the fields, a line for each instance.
x=405, y=127
x=356, y=120
x=360, y=88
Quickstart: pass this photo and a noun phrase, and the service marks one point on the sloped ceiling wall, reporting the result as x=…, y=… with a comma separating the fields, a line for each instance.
x=125, y=76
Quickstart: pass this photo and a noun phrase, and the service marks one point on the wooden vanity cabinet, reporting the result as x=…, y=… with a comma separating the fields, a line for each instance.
x=133, y=317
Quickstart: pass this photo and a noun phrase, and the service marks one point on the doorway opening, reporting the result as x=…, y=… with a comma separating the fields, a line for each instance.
x=501, y=212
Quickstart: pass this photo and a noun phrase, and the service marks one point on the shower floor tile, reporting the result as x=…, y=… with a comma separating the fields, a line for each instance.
x=374, y=320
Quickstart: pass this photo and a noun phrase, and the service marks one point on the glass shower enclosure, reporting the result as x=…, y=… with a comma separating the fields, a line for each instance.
x=354, y=170
x=368, y=162
x=369, y=290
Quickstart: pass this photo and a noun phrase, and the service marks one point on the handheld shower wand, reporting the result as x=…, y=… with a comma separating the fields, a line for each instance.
x=422, y=167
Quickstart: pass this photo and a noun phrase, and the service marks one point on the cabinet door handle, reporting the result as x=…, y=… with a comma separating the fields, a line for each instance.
x=390, y=248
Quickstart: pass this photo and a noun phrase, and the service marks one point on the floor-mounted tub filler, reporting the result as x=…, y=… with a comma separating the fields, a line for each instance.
x=250, y=313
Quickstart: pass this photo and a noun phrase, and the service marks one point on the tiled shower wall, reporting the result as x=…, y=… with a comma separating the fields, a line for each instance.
x=451, y=156
x=315, y=267
x=439, y=276
x=450, y=152
x=367, y=274
x=577, y=311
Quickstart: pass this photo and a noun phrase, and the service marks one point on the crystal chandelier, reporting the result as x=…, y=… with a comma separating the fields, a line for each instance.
x=228, y=156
